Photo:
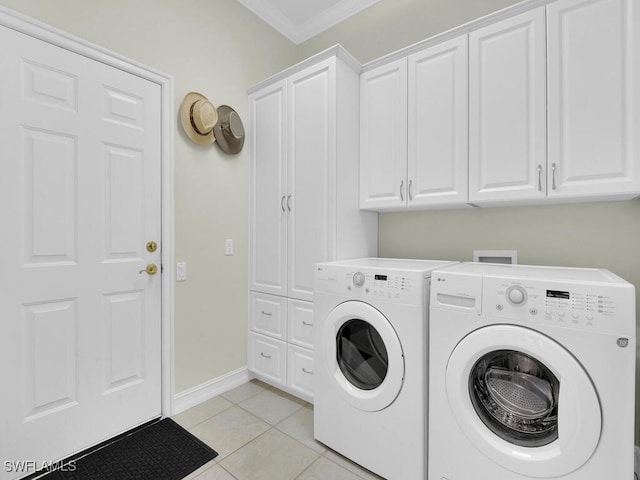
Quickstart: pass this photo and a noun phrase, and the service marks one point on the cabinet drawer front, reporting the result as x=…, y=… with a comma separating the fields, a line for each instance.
x=300, y=371
x=267, y=357
x=301, y=323
x=267, y=315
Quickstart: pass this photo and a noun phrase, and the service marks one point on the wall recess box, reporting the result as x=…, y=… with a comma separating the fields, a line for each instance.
x=496, y=256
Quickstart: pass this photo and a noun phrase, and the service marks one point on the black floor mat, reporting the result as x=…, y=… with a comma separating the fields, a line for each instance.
x=161, y=451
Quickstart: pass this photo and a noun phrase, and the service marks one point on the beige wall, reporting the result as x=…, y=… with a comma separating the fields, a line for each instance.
x=390, y=25
x=219, y=48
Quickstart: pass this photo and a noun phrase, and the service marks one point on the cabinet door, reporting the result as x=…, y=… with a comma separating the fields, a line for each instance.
x=507, y=110
x=311, y=174
x=300, y=323
x=438, y=125
x=383, y=137
x=268, y=221
x=594, y=98
x=300, y=365
x=268, y=359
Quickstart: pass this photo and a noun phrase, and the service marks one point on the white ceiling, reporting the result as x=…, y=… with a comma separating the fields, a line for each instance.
x=299, y=20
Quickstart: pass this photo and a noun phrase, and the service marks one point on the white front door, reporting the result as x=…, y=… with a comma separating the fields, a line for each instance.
x=80, y=196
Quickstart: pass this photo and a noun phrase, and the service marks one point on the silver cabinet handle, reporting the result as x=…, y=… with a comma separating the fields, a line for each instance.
x=539, y=178
x=288, y=200
x=310, y=372
x=553, y=176
x=410, y=195
x=268, y=314
x=282, y=202
x=307, y=324
x=402, y=190
x=265, y=356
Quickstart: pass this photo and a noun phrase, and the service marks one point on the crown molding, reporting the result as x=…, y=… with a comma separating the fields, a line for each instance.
x=298, y=33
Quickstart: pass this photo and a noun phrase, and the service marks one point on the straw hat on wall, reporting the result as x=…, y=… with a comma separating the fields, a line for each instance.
x=198, y=117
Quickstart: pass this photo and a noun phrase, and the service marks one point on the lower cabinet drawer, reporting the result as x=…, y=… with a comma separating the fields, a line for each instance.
x=268, y=358
x=268, y=315
x=300, y=371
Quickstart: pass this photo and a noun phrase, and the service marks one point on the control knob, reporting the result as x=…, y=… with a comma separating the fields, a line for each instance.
x=516, y=295
x=358, y=279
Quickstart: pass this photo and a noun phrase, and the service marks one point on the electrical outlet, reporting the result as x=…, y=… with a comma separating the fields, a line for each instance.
x=228, y=246
x=181, y=272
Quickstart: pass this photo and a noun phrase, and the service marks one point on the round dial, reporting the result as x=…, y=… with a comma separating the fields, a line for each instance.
x=516, y=295
x=358, y=279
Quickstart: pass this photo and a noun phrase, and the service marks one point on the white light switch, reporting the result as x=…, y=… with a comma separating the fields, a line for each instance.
x=228, y=246
x=181, y=271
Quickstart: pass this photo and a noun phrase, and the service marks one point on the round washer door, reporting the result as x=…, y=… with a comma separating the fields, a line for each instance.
x=524, y=401
x=363, y=355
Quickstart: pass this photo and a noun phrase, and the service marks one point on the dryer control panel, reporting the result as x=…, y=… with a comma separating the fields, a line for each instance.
x=373, y=284
x=577, y=305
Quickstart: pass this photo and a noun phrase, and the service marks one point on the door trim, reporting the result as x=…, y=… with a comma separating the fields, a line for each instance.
x=41, y=31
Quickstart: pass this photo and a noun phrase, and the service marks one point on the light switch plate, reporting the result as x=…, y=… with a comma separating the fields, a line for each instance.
x=181, y=271
x=228, y=246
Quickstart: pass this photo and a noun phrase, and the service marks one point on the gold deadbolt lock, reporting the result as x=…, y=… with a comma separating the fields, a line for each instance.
x=151, y=269
x=152, y=246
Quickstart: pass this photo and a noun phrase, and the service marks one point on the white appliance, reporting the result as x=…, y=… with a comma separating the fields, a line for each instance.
x=370, y=381
x=531, y=373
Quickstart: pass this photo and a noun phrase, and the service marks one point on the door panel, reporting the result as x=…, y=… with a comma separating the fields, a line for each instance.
x=268, y=189
x=438, y=160
x=80, y=337
x=507, y=105
x=311, y=175
x=383, y=137
x=593, y=140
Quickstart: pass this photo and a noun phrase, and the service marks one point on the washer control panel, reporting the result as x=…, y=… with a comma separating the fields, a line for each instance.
x=388, y=285
x=576, y=305
x=369, y=284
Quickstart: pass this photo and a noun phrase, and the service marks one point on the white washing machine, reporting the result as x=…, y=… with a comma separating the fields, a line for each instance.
x=531, y=374
x=370, y=382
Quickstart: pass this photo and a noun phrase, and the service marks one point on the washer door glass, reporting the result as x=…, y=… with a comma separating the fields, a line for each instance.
x=361, y=354
x=516, y=396
x=523, y=400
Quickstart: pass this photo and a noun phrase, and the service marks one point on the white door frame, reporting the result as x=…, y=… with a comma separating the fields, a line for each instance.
x=54, y=36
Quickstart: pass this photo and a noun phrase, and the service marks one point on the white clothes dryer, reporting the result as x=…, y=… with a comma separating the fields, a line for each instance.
x=532, y=373
x=370, y=382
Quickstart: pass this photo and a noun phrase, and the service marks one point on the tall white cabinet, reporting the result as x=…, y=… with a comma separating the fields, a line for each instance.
x=303, y=207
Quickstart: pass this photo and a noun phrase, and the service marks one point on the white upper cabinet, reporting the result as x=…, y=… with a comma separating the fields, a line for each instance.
x=413, y=130
x=268, y=187
x=594, y=98
x=507, y=110
x=383, y=136
x=438, y=125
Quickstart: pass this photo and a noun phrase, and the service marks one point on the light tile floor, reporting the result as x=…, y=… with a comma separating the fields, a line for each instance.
x=262, y=433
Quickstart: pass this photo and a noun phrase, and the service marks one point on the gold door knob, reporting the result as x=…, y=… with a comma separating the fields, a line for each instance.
x=151, y=269
x=152, y=246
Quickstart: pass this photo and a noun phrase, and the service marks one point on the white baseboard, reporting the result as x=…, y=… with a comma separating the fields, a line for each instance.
x=201, y=393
